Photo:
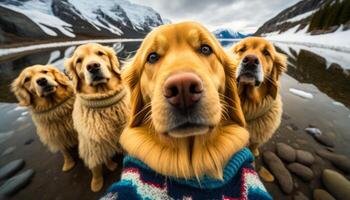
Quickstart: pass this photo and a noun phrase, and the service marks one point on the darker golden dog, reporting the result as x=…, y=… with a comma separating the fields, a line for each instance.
x=257, y=74
x=49, y=96
x=184, y=103
x=101, y=107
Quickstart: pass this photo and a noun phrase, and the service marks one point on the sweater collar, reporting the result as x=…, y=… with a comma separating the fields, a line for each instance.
x=231, y=169
x=102, y=100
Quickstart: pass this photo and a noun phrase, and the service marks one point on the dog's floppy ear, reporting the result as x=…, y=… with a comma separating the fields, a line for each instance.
x=72, y=73
x=232, y=100
x=20, y=92
x=131, y=76
x=59, y=76
x=233, y=107
x=279, y=66
x=114, y=60
x=231, y=94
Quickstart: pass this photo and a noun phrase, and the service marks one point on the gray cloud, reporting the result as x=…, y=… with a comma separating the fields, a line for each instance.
x=241, y=15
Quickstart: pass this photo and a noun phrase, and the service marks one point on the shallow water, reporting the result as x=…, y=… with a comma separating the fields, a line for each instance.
x=324, y=75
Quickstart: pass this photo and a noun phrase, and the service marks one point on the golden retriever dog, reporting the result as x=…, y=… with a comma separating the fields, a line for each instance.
x=258, y=72
x=49, y=96
x=186, y=120
x=101, y=107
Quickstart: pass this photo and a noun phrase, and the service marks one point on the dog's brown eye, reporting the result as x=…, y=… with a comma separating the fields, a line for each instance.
x=152, y=57
x=27, y=79
x=78, y=60
x=242, y=49
x=266, y=52
x=206, y=50
x=100, y=53
x=44, y=72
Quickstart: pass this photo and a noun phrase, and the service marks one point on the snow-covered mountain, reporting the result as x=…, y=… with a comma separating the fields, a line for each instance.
x=43, y=19
x=223, y=33
x=322, y=23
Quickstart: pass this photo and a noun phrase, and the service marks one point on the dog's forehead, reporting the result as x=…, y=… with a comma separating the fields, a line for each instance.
x=181, y=32
x=87, y=49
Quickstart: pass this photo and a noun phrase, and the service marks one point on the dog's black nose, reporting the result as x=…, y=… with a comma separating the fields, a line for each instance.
x=42, y=81
x=93, y=67
x=250, y=62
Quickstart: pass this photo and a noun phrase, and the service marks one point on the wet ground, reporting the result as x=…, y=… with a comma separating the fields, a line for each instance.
x=327, y=79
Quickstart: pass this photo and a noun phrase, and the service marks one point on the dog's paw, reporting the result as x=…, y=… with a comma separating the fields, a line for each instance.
x=68, y=165
x=256, y=152
x=112, y=166
x=96, y=184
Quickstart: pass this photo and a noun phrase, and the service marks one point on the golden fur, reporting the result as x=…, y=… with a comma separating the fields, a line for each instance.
x=52, y=112
x=100, y=110
x=261, y=105
x=147, y=136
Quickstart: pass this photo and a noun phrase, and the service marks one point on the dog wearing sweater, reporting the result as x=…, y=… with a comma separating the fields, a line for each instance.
x=101, y=107
x=258, y=87
x=185, y=138
x=48, y=94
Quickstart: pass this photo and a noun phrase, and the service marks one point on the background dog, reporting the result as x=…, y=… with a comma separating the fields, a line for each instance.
x=49, y=96
x=257, y=74
x=101, y=107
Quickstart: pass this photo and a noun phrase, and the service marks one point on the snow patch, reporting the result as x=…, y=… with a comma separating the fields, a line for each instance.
x=301, y=93
x=337, y=103
x=41, y=14
x=298, y=17
x=338, y=40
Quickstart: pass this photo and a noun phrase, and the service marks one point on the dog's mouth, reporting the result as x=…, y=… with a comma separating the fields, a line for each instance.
x=248, y=78
x=99, y=79
x=189, y=129
x=47, y=90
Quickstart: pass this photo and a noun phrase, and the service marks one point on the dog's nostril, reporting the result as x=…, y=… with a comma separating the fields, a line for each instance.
x=245, y=60
x=256, y=61
x=174, y=91
x=96, y=65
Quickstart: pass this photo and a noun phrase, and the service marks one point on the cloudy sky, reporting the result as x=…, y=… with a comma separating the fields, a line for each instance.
x=241, y=15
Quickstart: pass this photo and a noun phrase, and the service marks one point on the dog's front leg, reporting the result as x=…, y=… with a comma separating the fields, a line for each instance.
x=97, y=178
x=69, y=162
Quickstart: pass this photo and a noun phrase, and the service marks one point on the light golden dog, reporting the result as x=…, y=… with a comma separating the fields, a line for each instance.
x=49, y=96
x=186, y=119
x=258, y=87
x=101, y=107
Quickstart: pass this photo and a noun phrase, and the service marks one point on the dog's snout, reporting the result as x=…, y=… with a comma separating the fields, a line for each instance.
x=183, y=90
x=250, y=60
x=42, y=81
x=93, y=67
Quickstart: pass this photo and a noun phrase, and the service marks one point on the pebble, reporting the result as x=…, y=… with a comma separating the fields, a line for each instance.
x=320, y=194
x=300, y=196
x=29, y=141
x=8, y=151
x=280, y=172
x=266, y=175
x=302, y=171
x=17, y=182
x=11, y=168
x=340, y=161
x=336, y=184
x=325, y=139
x=285, y=152
x=305, y=157
x=313, y=131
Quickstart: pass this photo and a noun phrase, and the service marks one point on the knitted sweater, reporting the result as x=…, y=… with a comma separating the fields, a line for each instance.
x=240, y=181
